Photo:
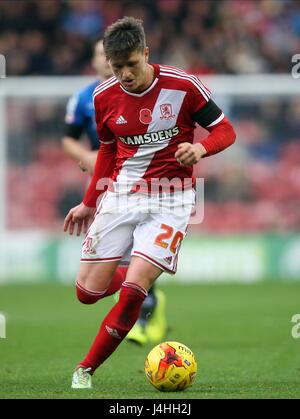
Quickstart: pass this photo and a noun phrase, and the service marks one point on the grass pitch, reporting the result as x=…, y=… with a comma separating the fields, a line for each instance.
x=240, y=334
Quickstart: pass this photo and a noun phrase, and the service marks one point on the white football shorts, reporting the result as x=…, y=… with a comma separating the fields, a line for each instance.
x=149, y=226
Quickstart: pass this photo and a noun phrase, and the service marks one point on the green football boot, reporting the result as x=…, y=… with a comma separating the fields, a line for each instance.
x=137, y=334
x=156, y=326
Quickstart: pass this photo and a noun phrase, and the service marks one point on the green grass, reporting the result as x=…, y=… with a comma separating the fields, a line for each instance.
x=240, y=334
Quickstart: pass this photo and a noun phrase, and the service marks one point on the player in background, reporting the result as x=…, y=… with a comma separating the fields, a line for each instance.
x=80, y=115
x=80, y=119
x=145, y=118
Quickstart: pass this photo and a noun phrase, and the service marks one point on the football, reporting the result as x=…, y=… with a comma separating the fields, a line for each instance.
x=171, y=366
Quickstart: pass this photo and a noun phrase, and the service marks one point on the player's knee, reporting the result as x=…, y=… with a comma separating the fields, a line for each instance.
x=86, y=296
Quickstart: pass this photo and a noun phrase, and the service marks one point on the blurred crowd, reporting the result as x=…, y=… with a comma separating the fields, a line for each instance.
x=52, y=37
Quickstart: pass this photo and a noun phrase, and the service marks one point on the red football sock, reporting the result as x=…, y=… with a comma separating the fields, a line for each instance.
x=116, y=325
x=90, y=297
x=117, y=280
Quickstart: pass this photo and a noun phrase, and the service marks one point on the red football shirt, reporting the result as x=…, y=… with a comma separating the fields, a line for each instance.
x=148, y=126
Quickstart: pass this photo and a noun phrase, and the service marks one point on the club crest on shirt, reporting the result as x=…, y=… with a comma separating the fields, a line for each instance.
x=166, y=111
x=145, y=116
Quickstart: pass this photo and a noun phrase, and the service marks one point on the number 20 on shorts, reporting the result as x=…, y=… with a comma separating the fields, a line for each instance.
x=168, y=238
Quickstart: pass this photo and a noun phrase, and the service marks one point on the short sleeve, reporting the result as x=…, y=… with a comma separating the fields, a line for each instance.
x=74, y=113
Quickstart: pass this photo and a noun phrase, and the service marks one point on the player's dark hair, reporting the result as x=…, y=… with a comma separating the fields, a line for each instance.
x=124, y=37
x=92, y=45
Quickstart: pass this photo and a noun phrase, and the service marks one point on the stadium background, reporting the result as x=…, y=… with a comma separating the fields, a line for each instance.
x=243, y=50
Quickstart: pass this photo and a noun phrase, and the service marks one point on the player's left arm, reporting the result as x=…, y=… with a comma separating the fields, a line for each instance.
x=221, y=135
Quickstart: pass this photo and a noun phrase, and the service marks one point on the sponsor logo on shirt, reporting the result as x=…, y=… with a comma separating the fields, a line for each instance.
x=151, y=137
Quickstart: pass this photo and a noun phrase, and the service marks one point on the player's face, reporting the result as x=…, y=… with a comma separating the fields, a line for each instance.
x=100, y=63
x=133, y=72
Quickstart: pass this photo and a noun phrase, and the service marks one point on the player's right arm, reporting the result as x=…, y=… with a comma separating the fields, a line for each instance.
x=80, y=216
x=104, y=167
x=106, y=159
x=83, y=213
